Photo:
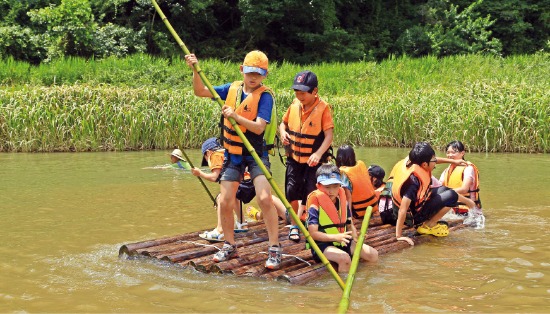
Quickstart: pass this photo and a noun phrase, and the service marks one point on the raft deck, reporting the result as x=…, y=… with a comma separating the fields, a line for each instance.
x=297, y=267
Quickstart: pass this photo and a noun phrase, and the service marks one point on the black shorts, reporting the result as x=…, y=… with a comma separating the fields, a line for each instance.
x=323, y=245
x=300, y=180
x=440, y=197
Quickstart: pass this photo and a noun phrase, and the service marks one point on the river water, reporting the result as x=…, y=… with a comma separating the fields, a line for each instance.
x=63, y=217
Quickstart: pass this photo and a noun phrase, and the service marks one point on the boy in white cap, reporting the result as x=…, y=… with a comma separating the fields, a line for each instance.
x=250, y=104
x=330, y=222
x=176, y=157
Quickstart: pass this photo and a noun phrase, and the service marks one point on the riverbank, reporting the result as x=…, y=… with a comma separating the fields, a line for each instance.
x=492, y=104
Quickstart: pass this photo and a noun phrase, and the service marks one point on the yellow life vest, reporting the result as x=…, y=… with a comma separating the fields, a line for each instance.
x=248, y=109
x=363, y=194
x=400, y=176
x=331, y=221
x=454, y=178
x=306, y=137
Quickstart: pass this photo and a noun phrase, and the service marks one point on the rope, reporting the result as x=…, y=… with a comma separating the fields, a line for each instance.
x=290, y=255
x=200, y=244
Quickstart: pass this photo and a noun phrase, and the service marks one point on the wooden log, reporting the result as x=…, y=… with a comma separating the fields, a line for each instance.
x=186, y=247
x=246, y=253
x=243, y=237
x=272, y=275
x=249, y=255
x=172, y=248
x=130, y=249
x=245, y=241
x=304, y=275
x=258, y=266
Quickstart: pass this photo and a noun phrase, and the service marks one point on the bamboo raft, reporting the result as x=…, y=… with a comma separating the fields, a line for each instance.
x=297, y=267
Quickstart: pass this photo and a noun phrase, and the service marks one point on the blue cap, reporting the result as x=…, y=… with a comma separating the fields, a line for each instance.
x=248, y=69
x=209, y=144
x=328, y=179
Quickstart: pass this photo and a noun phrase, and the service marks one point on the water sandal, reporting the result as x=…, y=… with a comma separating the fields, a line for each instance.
x=294, y=234
x=252, y=213
x=212, y=236
x=240, y=227
x=439, y=230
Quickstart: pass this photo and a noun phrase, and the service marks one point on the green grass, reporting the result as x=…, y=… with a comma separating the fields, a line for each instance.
x=491, y=104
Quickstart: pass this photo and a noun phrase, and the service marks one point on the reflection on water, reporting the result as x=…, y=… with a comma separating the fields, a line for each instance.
x=63, y=218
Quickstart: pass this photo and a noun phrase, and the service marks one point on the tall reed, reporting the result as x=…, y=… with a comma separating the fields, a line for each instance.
x=491, y=104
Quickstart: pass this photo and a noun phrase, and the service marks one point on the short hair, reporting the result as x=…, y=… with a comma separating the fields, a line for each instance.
x=327, y=169
x=345, y=156
x=421, y=152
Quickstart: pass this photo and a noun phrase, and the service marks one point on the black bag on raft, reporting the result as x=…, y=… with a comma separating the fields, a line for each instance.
x=385, y=205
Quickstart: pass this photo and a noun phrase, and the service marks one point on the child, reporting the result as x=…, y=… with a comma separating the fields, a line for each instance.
x=377, y=175
x=213, y=158
x=212, y=153
x=176, y=157
x=465, y=181
x=415, y=200
x=356, y=181
x=250, y=104
x=329, y=221
x=307, y=129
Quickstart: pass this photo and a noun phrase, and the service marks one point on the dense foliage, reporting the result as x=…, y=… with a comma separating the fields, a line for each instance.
x=300, y=31
x=492, y=104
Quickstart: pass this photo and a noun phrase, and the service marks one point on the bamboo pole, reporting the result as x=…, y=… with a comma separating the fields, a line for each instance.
x=254, y=154
x=344, y=302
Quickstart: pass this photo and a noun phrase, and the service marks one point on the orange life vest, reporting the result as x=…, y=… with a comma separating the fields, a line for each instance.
x=400, y=176
x=363, y=194
x=454, y=178
x=331, y=221
x=248, y=109
x=306, y=137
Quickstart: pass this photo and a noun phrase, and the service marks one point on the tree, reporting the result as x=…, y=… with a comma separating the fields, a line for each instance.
x=69, y=28
x=450, y=32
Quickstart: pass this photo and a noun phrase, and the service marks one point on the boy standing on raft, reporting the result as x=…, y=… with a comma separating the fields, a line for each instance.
x=307, y=128
x=330, y=223
x=250, y=104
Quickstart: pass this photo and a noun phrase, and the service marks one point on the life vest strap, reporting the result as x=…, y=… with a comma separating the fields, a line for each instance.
x=340, y=225
x=363, y=201
x=229, y=130
x=233, y=143
x=301, y=135
x=301, y=154
x=299, y=144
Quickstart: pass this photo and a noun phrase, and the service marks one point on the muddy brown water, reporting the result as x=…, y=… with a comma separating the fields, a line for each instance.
x=63, y=217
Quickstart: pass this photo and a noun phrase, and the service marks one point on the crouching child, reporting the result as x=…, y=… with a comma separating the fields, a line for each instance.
x=330, y=222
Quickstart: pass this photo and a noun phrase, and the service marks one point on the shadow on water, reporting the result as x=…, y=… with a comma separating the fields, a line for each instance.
x=63, y=218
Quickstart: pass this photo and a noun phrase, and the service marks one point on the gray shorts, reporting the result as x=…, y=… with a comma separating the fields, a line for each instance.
x=232, y=172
